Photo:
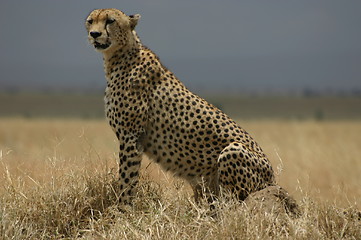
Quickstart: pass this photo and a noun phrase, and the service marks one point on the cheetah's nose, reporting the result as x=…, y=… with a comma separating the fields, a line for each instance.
x=95, y=34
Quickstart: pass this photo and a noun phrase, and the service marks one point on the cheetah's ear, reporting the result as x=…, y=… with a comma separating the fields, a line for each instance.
x=133, y=20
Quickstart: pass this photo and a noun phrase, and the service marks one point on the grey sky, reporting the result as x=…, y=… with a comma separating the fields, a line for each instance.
x=265, y=44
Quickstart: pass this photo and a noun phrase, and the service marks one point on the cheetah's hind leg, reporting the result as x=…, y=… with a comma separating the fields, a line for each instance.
x=242, y=171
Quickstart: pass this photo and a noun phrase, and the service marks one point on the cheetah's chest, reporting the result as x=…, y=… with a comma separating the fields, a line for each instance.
x=125, y=107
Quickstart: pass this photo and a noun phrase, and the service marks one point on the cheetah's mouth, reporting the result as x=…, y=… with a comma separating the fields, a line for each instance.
x=101, y=46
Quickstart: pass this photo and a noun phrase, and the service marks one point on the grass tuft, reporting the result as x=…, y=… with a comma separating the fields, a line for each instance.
x=85, y=205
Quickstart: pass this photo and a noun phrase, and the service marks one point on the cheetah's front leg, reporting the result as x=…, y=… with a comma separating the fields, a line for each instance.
x=130, y=157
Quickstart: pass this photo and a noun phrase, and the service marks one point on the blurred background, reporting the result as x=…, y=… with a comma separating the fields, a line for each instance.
x=288, y=71
x=252, y=59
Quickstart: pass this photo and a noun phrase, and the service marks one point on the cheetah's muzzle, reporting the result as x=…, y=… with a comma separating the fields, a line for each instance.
x=101, y=46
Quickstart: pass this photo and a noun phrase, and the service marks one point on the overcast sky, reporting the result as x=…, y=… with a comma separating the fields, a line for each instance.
x=209, y=44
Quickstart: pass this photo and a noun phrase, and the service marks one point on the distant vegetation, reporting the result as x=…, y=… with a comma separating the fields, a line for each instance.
x=86, y=106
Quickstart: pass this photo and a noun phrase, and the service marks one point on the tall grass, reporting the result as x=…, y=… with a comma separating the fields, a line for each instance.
x=58, y=180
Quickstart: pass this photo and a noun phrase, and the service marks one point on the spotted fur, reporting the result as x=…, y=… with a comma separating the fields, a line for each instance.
x=152, y=113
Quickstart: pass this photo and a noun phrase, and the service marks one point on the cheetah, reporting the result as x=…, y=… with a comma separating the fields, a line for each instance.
x=152, y=113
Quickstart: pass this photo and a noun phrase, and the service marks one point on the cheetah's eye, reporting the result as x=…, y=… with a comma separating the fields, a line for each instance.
x=110, y=21
x=90, y=21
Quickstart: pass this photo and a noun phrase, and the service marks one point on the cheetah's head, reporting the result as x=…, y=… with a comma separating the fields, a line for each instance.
x=110, y=29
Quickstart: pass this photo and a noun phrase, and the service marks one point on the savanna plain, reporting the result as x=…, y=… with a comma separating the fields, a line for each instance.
x=58, y=176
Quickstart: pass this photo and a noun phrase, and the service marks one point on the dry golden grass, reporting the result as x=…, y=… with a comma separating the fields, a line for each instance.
x=58, y=180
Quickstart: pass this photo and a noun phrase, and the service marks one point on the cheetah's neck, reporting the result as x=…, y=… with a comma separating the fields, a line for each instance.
x=120, y=57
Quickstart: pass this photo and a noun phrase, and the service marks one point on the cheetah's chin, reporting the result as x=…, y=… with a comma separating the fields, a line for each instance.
x=101, y=46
